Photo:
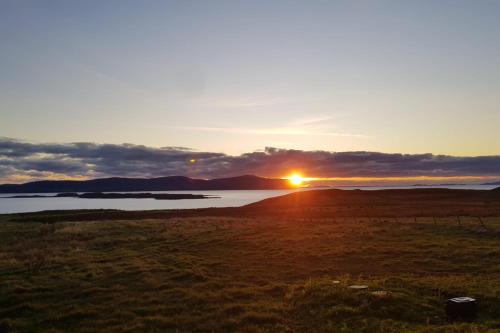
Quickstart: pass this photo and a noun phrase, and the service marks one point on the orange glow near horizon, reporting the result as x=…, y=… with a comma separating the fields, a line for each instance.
x=399, y=179
x=296, y=179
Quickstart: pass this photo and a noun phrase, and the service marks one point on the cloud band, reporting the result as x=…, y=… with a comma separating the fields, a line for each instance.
x=25, y=161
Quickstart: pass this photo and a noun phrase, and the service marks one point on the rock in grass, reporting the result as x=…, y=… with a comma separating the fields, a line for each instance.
x=381, y=293
x=358, y=287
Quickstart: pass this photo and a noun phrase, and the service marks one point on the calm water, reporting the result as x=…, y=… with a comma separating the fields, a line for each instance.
x=227, y=199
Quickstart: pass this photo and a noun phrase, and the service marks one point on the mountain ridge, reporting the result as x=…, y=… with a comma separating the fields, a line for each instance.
x=169, y=183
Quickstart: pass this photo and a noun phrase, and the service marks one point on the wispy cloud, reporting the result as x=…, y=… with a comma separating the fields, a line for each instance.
x=311, y=121
x=314, y=126
x=276, y=96
x=246, y=101
x=270, y=131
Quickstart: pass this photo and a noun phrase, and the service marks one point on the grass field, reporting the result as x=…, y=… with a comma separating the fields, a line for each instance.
x=271, y=267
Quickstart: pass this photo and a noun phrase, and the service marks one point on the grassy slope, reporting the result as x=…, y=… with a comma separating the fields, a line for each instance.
x=259, y=269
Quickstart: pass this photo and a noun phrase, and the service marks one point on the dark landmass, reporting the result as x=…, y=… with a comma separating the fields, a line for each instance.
x=173, y=183
x=443, y=184
x=385, y=203
x=157, y=196
x=317, y=187
x=494, y=183
x=100, y=195
x=28, y=196
x=284, y=264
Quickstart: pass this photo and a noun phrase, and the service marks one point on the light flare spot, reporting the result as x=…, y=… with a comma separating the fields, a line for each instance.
x=296, y=179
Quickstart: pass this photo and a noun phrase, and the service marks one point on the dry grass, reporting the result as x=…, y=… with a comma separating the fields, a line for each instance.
x=247, y=274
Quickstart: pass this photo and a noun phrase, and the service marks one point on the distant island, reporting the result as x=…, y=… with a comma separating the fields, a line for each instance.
x=443, y=184
x=173, y=183
x=100, y=195
x=494, y=183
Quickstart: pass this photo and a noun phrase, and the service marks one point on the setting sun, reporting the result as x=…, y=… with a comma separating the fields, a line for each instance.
x=296, y=179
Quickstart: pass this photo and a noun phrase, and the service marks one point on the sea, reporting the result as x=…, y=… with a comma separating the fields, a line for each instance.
x=232, y=198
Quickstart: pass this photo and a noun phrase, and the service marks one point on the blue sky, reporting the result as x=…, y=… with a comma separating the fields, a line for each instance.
x=237, y=76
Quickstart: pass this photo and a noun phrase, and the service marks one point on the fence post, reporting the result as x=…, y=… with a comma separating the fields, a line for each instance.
x=481, y=222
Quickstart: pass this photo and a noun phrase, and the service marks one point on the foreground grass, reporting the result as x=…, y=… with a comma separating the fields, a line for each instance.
x=247, y=274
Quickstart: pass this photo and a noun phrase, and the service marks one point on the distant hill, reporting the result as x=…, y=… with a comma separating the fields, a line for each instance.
x=494, y=183
x=417, y=202
x=174, y=183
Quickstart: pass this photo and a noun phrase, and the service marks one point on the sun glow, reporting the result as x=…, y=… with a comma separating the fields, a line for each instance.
x=296, y=179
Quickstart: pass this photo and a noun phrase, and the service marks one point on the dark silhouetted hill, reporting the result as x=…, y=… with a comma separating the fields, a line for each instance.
x=173, y=183
x=383, y=203
x=494, y=183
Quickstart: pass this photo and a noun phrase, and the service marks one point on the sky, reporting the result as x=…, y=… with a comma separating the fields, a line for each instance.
x=233, y=78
